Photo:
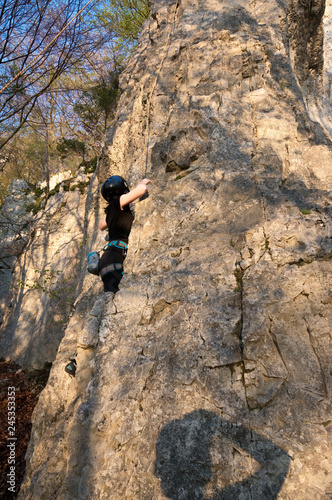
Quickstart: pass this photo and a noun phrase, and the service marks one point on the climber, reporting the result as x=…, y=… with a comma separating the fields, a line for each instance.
x=119, y=218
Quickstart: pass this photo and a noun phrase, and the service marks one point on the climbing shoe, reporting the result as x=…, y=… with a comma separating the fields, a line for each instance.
x=71, y=367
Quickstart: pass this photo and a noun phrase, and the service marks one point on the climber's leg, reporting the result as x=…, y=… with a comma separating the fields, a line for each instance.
x=111, y=281
x=111, y=268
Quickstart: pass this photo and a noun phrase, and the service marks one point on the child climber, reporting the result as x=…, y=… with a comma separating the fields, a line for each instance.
x=119, y=218
x=118, y=221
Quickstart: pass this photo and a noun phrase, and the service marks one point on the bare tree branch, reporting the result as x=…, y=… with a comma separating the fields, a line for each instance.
x=26, y=27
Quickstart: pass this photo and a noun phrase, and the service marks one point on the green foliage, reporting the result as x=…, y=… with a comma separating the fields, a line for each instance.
x=35, y=206
x=69, y=121
x=66, y=184
x=24, y=153
x=41, y=196
x=4, y=185
x=49, y=282
x=80, y=185
x=38, y=191
x=90, y=166
x=283, y=85
x=124, y=18
x=39, y=199
x=305, y=211
x=97, y=104
x=26, y=158
x=67, y=146
x=85, y=242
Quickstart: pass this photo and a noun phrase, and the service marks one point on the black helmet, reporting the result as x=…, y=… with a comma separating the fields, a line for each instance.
x=114, y=186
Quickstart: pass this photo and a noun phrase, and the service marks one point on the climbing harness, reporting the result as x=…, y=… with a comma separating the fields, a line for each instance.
x=45, y=48
x=94, y=257
x=117, y=244
x=147, y=127
x=110, y=268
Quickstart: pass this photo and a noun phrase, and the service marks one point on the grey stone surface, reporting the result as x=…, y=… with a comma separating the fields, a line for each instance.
x=210, y=371
x=47, y=278
x=14, y=234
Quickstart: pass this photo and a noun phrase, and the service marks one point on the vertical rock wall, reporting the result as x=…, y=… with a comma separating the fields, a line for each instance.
x=14, y=233
x=46, y=279
x=209, y=374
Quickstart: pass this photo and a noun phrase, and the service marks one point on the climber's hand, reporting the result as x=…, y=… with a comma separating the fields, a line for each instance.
x=135, y=193
x=145, y=181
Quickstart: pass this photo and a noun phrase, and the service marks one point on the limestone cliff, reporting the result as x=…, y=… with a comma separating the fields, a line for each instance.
x=39, y=288
x=14, y=234
x=209, y=374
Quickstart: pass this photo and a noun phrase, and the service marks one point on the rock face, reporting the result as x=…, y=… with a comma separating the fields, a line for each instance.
x=14, y=233
x=209, y=374
x=46, y=278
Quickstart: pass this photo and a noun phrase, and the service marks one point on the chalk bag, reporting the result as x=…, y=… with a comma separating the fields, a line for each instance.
x=93, y=263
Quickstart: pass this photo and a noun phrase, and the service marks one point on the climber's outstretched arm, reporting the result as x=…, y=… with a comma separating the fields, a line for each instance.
x=127, y=198
x=134, y=194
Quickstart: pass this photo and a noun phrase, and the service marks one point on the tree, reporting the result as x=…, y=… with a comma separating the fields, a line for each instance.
x=97, y=104
x=27, y=32
x=66, y=146
x=124, y=19
x=60, y=108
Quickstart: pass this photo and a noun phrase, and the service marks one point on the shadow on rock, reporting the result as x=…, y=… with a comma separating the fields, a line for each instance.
x=202, y=456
